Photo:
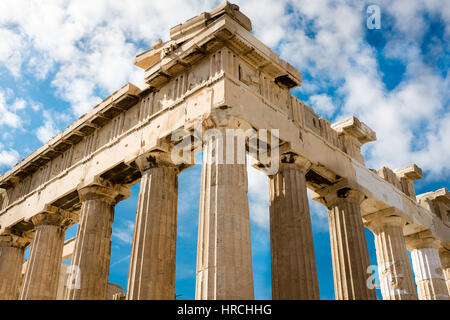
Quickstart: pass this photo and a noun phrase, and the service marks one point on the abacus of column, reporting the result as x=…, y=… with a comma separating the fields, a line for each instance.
x=213, y=75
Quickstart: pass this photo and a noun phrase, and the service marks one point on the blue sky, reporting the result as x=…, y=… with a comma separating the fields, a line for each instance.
x=58, y=59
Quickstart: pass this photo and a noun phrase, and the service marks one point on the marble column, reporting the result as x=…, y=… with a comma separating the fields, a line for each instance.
x=427, y=266
x=394, y=270
x=349, y=251
x=92, y=252
x=153, y=257
x=12, y=251
x=224, y=257
x=44, y=264
x=294, y=272
x=444, y=254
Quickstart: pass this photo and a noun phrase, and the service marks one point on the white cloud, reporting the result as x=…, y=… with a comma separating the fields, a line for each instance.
x=269, y=19
x=11, y=48
x=19, y=104
x=119, y=261
x=40, y=66
x=125, y=232
x=8, y=158
x=48, y=130
x=322, y=104
x=6, y=136
x=9, y=117
x=36, y=106
x=52, y=122
x=330, y=45
x=90, y=44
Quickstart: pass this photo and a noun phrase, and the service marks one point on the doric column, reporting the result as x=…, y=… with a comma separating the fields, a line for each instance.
x=444, y=254
x=294, y=273
x=427, y=266
x=394, y=270
x=349, y=251
x=92, y=251
x=153, y=257
x=12, y=251
x=44, y=264
x=224, y=257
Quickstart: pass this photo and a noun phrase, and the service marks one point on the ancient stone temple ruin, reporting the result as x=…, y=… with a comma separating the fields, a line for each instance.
x=214, y=75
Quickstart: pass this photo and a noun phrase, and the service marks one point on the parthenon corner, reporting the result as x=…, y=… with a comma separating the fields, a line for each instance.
x=214, y=88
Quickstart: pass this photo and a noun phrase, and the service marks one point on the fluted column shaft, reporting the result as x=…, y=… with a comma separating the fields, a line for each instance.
x=224, y=257
x=11, y=262
x=294, y=272
x=92, y=252
x=153, y=257
x=444, y=254
x=44, y=264
x=349, y=251
x=427, y=266
x=396, y=278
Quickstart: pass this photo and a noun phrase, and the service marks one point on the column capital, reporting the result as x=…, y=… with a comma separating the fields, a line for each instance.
x=56, y=217
x=422, y=240
x=221, y=118
x=155, y=158
x=292, y=159
x=103, y=190
x=288, y=158
x=339, y=192
x=9, y=238
x=383, y=218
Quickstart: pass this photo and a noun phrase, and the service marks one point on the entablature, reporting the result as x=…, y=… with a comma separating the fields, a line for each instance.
x=118, y=102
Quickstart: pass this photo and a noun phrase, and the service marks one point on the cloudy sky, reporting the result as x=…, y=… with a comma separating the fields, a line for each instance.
x=60, y=58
